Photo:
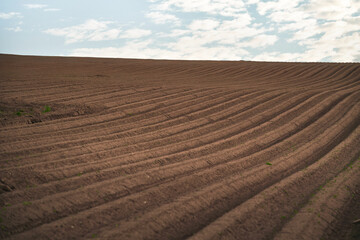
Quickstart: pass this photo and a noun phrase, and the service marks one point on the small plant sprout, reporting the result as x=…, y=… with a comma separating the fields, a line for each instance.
x=268, y=163
x=20, y=112
x=27, y=203
x=47, y=109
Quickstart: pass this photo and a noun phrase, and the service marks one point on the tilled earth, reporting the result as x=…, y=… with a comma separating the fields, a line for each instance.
x=149, y=149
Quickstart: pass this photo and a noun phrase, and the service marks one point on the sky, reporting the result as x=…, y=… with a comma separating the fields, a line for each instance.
x=256, y=30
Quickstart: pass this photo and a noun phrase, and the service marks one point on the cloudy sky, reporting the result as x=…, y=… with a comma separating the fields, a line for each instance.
x=258, y=30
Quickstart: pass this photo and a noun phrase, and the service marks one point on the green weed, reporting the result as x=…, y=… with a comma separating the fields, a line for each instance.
x=47, y=109
x=27, y=203
x=20, y=112
x=268, y=163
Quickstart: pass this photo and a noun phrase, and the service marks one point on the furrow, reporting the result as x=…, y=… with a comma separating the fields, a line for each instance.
x=244, y=107
x=126, y=185
x=323, y=208
x=79, y=124
x=198, y=205
x=183, y=111
x=116, y=170
x=272, y=206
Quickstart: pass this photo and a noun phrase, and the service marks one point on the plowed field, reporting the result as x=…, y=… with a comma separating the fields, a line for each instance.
x=149, y=149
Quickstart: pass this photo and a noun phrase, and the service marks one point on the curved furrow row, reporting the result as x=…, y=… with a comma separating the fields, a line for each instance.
x=88, y=178
x=353, y=87
x=239, y=110
x=154, y=116
x=116, y=132
x=346, y=77
x=330, y=79
x=88, y=97
x=320, y=213
x=127, y=100
x=208, y=138
x=22, y=89
x=349, y=120
x=137, y=97
x=65, y=126
x=104, y=153
x=215, y=200
x=281, y=201
x=94, y=116
x=159, y=149
x=60, y=94
x=135, y=181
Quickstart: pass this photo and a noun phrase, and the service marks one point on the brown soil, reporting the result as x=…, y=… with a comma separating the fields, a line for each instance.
x=152, y=149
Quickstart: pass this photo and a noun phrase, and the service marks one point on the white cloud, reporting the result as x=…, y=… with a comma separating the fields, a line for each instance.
x=252, y=1
x=144, y=50
x=215, y=7
x=227, y=30
x=94, y=30
x=176, y=33
x=261, y=40
x=91, y=30
x=133, y=49
x=51, y=9
x=277, y=56
x=44, y=7
x=10, y=15
x=279, y=5
x=333, y=9
x=218, y=36
x=35, y=6
x=16, y=29
x=324, y=28
x=206, y=24
x=162, y=18
x=136, y=33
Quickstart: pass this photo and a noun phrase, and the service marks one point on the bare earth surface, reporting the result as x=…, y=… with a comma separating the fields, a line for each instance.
x=144, y=149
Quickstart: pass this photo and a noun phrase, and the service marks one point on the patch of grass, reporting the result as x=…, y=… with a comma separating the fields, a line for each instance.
x=93, y=235
x=79, y=174
x=19, y=112
x=268, y=163
x=46, y=109
x=283, y=217
x=27, y=203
